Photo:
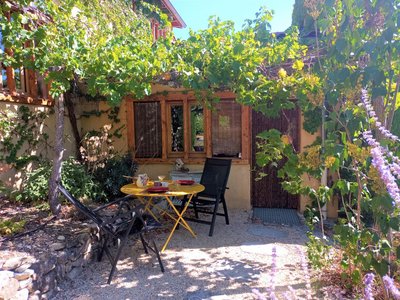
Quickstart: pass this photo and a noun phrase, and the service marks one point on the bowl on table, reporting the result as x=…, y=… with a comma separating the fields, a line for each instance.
x=185, y=182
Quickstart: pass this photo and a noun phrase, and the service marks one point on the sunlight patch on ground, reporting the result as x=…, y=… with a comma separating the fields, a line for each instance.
x=265, y=249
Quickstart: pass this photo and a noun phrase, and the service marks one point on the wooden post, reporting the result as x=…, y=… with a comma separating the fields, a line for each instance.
x=10, y=76
x=208, y=131
x=9, y=70
x=245, y=132
x=130, y=121
x=32, y=88
x=186, y=141
x=164, y=128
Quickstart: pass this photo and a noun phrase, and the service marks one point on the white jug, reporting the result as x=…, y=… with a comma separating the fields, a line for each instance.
x=142, y=180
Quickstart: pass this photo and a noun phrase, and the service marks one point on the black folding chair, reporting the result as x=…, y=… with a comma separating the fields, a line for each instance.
x=126, y=221
x=214, y=178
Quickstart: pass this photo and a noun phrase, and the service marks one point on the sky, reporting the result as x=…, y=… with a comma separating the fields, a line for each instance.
x=195, y=13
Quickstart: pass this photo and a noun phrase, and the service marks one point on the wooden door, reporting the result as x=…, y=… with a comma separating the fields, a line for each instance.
x=268, y=191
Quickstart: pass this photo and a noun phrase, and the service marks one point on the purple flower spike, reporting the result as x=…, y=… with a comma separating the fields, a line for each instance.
x=258, y=294
x=306, y=273
x=292, y=293
x=371, y=114
x=391, y=288
x=272, y=295
x=380, y=162
x=368, y=281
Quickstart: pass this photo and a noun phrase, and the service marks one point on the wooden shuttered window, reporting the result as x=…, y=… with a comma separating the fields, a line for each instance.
x=22, y=85
x=148, y=133
x=227, y=129
x=165, y=127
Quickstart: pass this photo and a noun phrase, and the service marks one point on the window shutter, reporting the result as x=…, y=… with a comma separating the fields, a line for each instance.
x=227, y=129
x=148, y=139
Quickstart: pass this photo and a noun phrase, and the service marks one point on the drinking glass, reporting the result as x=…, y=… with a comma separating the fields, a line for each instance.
x=161, y=177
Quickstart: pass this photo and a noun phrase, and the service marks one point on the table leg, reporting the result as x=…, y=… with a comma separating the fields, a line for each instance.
x=178, y=220
x=147, y=206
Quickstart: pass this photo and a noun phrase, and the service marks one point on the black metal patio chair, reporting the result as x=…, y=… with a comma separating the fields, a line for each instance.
x=118, y=227
x=214, y=178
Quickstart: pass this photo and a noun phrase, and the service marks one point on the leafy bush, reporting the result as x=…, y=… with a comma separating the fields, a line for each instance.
x=110, y=177
x=97, y=148
x=74, y=177
x=11, y=226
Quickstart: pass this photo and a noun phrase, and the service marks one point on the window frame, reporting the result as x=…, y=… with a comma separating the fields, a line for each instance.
x=171, y=153
x=203, y=153
x=191, y=157
x=28, y=92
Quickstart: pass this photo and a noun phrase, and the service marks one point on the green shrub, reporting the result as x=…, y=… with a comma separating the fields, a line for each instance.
x=4, y=190
x=73, y=176
x=110, y=177
x=11, y=226
x=76, y=179
x=36, y=185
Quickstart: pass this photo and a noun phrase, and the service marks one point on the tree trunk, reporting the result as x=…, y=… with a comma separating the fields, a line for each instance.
x=72, y=119
x=55, y=205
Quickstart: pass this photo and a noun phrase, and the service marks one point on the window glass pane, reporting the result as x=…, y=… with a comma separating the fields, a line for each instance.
x=197, y=128
x=3, y=69
x=4, y=77
x=17, y=76
x=177, y=139
x=42, y=88
x=227, y=129
x=148, y=138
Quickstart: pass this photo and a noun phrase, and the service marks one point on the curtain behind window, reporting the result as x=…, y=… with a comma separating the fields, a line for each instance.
x=148, y=138
x=227, y=129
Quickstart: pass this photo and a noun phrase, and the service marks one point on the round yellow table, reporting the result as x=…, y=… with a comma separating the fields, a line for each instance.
x=175, y=190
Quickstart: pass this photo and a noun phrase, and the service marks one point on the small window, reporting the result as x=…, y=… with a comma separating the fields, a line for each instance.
x=176, y=132
x=197, y=132
x=18, y=79
x=148, y=139
x=4, y=78
x=41, y=85
x=227, y=129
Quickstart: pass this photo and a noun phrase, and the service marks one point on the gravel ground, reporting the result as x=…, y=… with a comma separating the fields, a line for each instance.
x=237, y=259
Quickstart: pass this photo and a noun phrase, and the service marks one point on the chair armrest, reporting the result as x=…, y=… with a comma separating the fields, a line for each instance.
x=112, y=203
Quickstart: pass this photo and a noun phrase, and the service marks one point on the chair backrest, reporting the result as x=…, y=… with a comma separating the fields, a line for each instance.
x=215, y=176
x=119, y=223
x=80, y=206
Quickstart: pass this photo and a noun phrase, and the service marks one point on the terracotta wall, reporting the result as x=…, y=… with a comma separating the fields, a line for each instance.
x=332, y=207
x=97, y=122
x=11, y=177
x=238, y=195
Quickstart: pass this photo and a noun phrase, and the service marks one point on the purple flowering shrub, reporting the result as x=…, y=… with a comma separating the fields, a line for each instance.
x=368, y=281
x=355, y=162
x=364, y=159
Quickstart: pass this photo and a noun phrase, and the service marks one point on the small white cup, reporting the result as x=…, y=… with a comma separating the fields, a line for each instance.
x=164, y=184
